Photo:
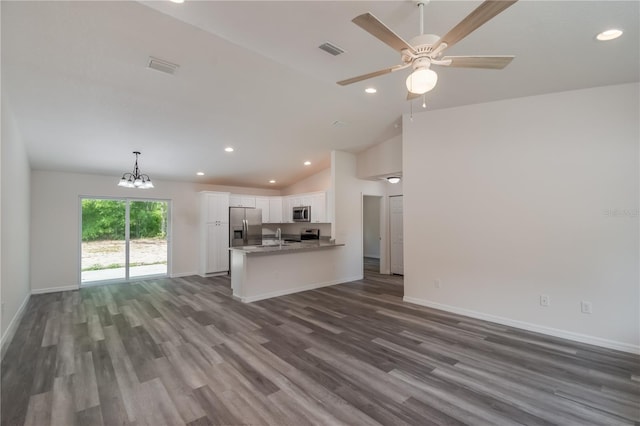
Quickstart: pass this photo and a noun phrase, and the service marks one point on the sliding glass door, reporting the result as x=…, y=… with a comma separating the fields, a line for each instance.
x=147, y=238
x=123, y=239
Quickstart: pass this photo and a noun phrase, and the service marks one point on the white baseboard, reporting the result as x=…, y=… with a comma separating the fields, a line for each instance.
x=569, y=335
x=54, y=289
x=295, y=290
x=213, y=274
x=13, y=326
x=182, y=274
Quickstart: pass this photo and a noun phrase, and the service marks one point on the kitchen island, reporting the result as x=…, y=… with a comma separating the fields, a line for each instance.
x=271, y=270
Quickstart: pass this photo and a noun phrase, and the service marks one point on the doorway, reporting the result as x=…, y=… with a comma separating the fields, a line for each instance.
x=122, y=239
x=371, y=232
x=396, y=257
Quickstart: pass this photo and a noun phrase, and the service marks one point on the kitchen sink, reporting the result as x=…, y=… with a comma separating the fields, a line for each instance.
x=274, y=245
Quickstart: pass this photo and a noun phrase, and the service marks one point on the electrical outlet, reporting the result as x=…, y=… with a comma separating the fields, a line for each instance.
x=437, y=283
x=586, y=307
x=545, y=300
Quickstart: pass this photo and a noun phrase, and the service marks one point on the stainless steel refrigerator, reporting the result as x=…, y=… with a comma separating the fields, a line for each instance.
x=245, y=226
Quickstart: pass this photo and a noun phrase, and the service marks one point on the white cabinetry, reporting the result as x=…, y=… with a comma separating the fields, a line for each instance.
x=319, y=207
x=214, y=232
x=293, y=201
x=287, y=210
x=280, y=209
x=317, y=201
x=263, y=204
x=275, y=210
x=237, y=200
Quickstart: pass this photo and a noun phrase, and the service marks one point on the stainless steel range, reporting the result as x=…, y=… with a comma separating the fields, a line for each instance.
x=310, y=234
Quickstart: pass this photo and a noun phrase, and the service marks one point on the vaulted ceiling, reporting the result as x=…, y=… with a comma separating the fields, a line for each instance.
x=251, y=76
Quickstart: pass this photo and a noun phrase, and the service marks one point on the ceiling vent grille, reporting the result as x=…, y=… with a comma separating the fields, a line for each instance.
x=162, y=65
x=331, y=48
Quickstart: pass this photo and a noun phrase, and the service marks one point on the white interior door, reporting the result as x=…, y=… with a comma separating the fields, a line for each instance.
x=395, y=231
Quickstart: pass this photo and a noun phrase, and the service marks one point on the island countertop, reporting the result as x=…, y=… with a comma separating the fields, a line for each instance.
x=276, y=248
x=273, y=269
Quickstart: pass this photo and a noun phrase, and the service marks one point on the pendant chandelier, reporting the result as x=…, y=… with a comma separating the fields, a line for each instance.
x=136, y=179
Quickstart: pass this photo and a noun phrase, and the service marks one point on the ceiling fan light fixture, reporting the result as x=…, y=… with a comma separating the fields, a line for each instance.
x=421, y=81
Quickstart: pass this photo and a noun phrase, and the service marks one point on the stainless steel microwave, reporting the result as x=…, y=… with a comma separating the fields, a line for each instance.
x=302, y=214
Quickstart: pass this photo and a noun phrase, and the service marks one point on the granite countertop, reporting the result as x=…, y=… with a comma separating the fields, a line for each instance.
x=275, y=248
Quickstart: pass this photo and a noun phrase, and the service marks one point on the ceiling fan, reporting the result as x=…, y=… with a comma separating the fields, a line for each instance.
x=425, y=50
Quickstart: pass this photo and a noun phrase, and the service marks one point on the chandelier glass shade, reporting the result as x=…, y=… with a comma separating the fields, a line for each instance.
x=136, y=179
x=421, y=81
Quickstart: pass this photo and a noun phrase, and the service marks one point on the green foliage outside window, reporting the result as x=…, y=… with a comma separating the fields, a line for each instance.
x=105, y=219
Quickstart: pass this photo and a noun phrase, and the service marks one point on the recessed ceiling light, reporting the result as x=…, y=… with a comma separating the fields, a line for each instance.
x=370, y=90
x=307, y=163
x=176, y=1
x=609, y=35
x=272, y=181
x=200, y=173
x=228, y=149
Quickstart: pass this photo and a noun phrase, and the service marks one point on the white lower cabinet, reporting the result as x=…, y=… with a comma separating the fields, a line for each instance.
x=217, y=248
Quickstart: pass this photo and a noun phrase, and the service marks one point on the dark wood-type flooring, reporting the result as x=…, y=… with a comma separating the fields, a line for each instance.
x=182, y=351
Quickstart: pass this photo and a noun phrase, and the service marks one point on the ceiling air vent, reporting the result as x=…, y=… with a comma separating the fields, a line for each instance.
x=331, y=48
x=162, y=65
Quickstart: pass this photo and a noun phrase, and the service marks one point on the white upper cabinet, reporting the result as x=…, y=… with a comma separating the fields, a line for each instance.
x=275, y=210
x=263, y=203
x=280, y=209
x=294, y=201
x=319, y=207
x=237, y=200
x=287, y=212
x=215, y=207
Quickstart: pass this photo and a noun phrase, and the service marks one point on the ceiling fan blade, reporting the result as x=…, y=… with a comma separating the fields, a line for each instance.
x=376, y=28
x=372, y=74
x=482, y=14
x=488, y=62
x=412, y=96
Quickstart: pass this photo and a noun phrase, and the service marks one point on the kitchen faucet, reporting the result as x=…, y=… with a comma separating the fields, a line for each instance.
x=279, y=234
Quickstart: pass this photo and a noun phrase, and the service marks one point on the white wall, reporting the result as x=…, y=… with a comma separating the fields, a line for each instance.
x=513, y=199
x=320, y=181
x=346, y=197
x=384, y=159
x=15, y=184
x=371, y=206
x=55, y=222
